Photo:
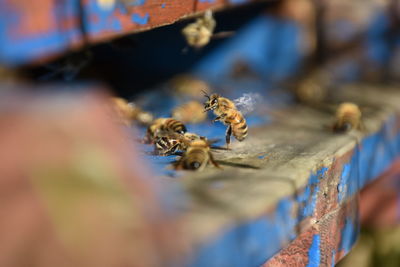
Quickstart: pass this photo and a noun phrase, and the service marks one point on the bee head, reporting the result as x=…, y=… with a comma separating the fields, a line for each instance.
x=342, y=128
x=211, y=103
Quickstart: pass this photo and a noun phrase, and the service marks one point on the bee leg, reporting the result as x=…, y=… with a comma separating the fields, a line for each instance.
x=213, y=161
x=178, y=165
x=216, y=119
x=171, y=150
x=228, y=136
x=202, y=166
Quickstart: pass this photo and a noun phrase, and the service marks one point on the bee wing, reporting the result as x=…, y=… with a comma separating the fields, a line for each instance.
x=211, y=142
x=248, y=102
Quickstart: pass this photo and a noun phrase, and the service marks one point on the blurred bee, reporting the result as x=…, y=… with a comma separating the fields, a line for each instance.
x=128, y=111
x=348, y=117
x=313, y=89
x=169, y=143
x=190, y=112
x=163, y=126
x=226, y=111
x=196, y=156
x=199, y=33
x=187, y=85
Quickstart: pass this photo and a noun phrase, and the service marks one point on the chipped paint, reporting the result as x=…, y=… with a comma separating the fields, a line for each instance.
x=136, y=3
x=142, y=20
x=308, y=198
x=314, y=253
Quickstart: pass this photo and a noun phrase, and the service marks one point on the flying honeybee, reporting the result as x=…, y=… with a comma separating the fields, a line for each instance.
x=199, y=33
x=128, y=111
x=226, y=111
x=169, y=143
x=163, y=126
x=190, y=112
x=196, y=156
x=348, y=117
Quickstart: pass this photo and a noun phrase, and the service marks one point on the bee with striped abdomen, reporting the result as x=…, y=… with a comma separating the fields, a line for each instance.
x=163, y=126
x=196, y=156
x=348, y=117
x=226, y=111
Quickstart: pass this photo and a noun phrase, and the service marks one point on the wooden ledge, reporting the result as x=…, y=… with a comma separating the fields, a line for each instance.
x=287, y=179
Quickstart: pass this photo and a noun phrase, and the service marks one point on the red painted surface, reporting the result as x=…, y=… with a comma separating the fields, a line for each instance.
x=380, y=200
x=329, y=229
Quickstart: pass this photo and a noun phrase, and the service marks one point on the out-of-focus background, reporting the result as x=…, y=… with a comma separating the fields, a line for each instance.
x=79, y=188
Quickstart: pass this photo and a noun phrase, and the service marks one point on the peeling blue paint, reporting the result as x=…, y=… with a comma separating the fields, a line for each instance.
x=314, y=253
x=136, y=3
x=308, y=198
x=142, y=20
x=105, y=20
x=372, y=157
x=344, y=180
x=207, y=1
x=163, y=5
x=251, y=243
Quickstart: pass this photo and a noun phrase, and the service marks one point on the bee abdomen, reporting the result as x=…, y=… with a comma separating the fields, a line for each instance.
x=239, y=128
x=174, y=126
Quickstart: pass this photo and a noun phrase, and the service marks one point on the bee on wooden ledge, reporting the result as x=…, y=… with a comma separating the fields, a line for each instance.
x=348, y=117
x=196, y=156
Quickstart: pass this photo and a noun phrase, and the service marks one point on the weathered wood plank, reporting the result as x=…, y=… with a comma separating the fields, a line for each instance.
x=292, y=179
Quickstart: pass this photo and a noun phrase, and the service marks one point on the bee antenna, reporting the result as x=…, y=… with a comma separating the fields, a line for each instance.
x=205, y=94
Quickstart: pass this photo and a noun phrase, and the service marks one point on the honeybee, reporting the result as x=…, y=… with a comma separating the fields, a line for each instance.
x=187, y=85
x=196, y=156
x=226, y=111
x=348, y=117
x=169, y=143
x=163, y=126
x=313, y=89
x=199, y=33
x=128, y=111
x=190, y=112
